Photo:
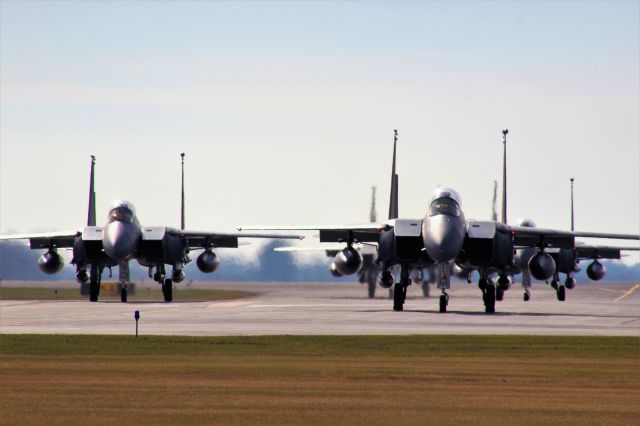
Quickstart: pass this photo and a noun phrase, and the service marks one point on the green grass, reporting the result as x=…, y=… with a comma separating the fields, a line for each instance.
x=179, y=294
x=319, y=380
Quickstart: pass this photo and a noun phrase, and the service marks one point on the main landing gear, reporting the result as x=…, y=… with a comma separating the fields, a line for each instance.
x=400, y=289
x=95, y=276
x=443, y=280
x=488, y=288
x=167, y=283
x=559, y=287
x=124, y=279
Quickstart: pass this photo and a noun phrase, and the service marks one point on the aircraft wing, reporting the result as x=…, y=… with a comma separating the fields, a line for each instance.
x=45, y=240
x=601, y=252
x=197, y=239
x=358, y=233
x=531, y=237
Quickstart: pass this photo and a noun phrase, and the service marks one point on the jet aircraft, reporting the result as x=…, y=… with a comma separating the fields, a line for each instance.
x=442, y=236
x=123, y=239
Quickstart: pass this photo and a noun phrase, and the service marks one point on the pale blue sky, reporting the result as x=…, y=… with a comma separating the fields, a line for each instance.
x=286, y=110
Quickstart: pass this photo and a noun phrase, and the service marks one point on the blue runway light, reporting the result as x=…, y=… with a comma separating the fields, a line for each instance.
x=136, y=315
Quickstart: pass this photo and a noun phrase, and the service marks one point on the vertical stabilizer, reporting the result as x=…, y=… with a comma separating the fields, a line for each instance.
x=182, y=196
x=494, y=210
x=393, y=201
x=373, y=217
x=504, y=176
x=572, y=221
x=91, y=216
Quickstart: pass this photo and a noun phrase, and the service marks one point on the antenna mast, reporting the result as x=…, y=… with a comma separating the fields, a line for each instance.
x=572, y=221
x=372, y=214
x=182, y=198
x=504, y=176
x=91, y=216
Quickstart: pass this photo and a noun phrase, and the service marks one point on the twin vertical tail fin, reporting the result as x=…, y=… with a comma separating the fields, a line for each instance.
x=182, y=196
x=494, y=210
x=91, y=217
x=393, y=201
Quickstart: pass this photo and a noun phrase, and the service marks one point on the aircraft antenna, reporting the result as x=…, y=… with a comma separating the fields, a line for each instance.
x=182, y=196
x=572, y=218
x=91, y=216
x=372, y=214
x=504, y=176
x=494, y=212
x=393, y=202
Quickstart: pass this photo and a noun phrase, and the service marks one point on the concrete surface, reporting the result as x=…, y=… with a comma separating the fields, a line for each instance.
x=332, y=308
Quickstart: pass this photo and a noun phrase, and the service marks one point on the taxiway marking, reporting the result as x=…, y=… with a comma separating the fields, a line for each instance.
x=628, y=292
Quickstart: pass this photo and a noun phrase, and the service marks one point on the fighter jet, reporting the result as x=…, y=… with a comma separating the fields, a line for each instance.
x=442, y=236
x=123, y=239
x=566, y=260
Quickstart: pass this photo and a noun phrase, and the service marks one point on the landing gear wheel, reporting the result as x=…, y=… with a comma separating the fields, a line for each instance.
x=561, y=293
x=167, y=290
x=527, y=296
x=554, y=284
x=94, y=291
x=398, y=296
x=444, y=301
x=490, y=299
x=499, y=294
x=482, y=284
x=426, y=289
x=123, y=293
x=371, y=288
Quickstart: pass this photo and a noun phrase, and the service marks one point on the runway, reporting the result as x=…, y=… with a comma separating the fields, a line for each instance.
x=340, y=308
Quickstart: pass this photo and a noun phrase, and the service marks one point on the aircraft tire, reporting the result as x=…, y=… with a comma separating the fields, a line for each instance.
x=371, y=289
x=398, y=297
x=527, y=297
x=561, y=293
x=426, y=288
x=94, y=291
x=490, y=299
x=123, y=294
x=167, y=290
x=443, y=303
x=499, y=295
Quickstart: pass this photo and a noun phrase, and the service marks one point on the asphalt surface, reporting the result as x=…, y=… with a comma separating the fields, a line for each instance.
x=328, y=308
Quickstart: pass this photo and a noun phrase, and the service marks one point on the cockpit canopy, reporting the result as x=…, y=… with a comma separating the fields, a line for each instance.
x=122, y=211
x=526, y=223
x=445, y=201
x=444, y=205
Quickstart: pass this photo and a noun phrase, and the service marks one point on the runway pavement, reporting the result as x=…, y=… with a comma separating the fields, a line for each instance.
x=330, y=308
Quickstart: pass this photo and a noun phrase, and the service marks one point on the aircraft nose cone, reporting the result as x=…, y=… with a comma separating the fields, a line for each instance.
x=443, y=239
x=119, y=240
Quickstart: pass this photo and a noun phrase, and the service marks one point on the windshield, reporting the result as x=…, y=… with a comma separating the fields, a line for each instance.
x=121, y=214
x=444, y=205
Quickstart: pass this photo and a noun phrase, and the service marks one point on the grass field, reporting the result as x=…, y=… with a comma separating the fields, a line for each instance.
x=181, y=294
x=480, y=380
